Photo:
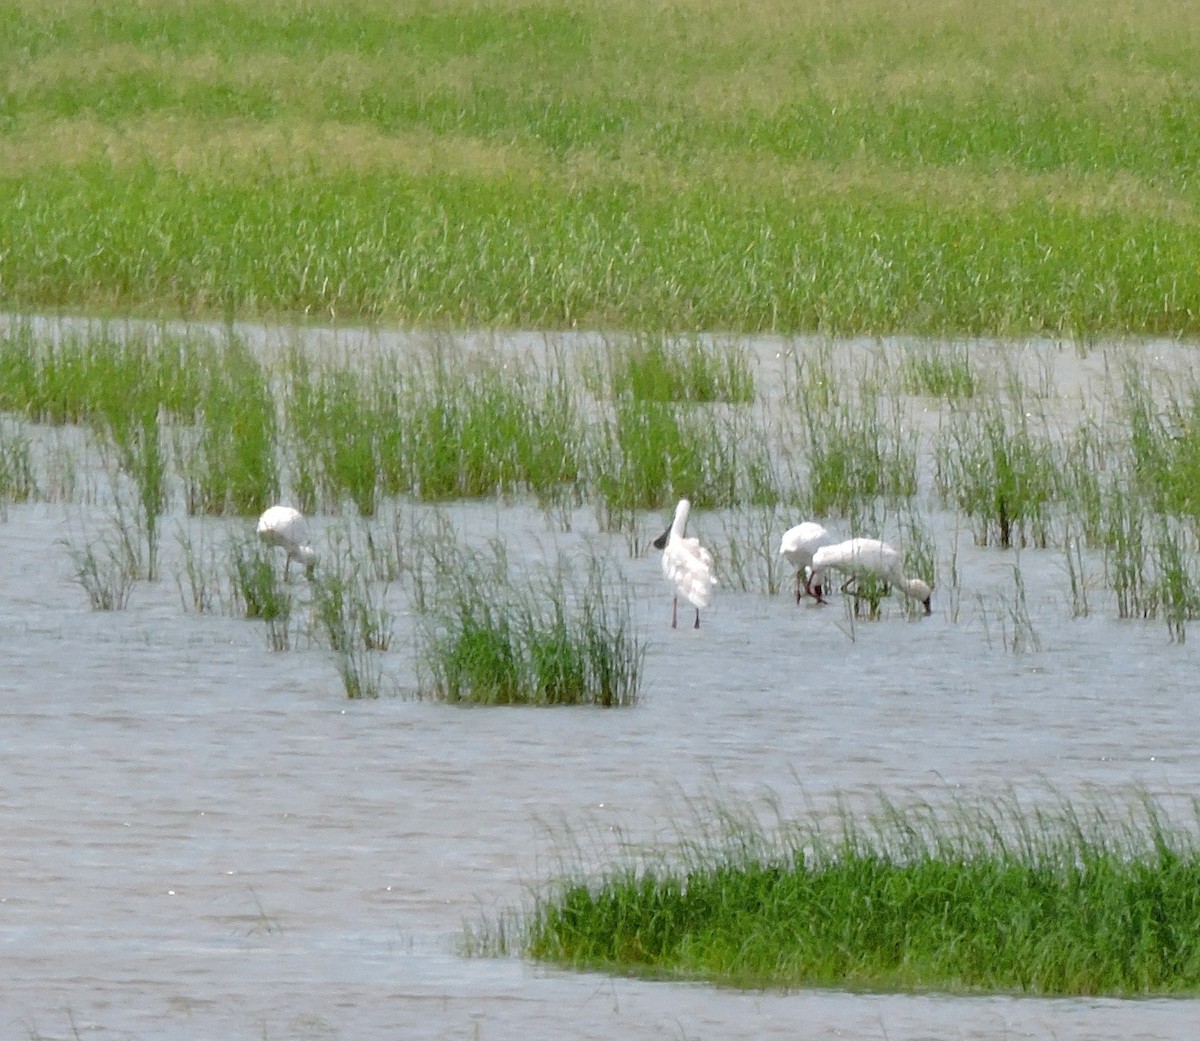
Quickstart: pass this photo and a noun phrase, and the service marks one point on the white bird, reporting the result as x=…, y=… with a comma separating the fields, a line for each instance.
x=286, y=527
x=798, y=545
x=686, y=564
x=865, y=557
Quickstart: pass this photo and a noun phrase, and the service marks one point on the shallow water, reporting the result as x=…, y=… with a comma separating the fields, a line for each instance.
x=204, y=838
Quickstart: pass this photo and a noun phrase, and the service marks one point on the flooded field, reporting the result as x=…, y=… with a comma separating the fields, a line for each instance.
x=203, y=837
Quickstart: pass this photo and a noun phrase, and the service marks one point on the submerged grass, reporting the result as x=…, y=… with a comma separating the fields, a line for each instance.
x=256, y=586
x=857, y=448
x=999, y=471
x=107, y=569
x=988, y=898
x=659, y=368
x=553, y=639
x=17, y=481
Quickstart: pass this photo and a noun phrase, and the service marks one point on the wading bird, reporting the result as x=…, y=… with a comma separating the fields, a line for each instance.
x=686, y=564
x=286, y=527
x=798, y=545
x=864, y=557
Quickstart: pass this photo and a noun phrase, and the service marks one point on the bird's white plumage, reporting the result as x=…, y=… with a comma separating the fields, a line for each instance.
x=686, y=565
x=286, y=527
x=798, y=546
x=867, y=557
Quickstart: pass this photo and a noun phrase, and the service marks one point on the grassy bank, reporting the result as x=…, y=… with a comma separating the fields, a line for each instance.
x=991, y=898
x=691, y=165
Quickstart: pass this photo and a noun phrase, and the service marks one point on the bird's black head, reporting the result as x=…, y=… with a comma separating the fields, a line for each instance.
x=661, y=541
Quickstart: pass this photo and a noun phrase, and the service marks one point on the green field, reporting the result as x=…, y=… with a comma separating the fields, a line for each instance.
x=949, y=167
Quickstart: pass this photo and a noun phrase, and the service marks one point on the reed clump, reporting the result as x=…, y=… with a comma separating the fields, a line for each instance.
x=996, y=897
x=939, y=370
x=477, y=426
x=256, y=586
x=660, y=368
x=107, y=568
x=441, y=426
x=553, y=639
x=857, y=448
x=227, y=446
x=17, y=480
x=1001, y=472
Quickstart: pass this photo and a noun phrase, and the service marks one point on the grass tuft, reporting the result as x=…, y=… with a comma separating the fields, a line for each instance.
x=989, y=898
x=555, y=639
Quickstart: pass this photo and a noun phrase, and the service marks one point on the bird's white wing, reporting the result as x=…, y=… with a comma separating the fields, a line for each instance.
x=689, y=567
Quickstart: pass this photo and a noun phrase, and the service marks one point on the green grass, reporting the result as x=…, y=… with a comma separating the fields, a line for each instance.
x=228, y=459
x=439, y=426
x=651, y=454
x=551, y=637
x=990, y=898
x=857, y=449
x=256, y=585
x=861, y=167
x=1001, y=471
x=940, y=370
x=108, y=567
x=17, y=476
x=656, y=368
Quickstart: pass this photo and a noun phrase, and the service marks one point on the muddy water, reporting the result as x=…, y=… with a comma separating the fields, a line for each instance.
x=202, y=838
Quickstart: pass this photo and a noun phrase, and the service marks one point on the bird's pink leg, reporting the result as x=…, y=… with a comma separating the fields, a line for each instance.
x=808, y=588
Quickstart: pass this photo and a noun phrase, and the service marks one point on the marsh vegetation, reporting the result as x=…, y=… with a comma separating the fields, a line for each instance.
x=862, y=167
x=193, y=431
x=1021, y=467
x=866, y=168
x=990, y=897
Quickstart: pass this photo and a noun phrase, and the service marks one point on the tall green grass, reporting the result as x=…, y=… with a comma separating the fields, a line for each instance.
x=994, y=897
x=552, y=638
x=857, y=446
x=517, y=165
x=18, y=482
x=940, y=370
x=658, y=368
x=107, y=568
x=442, y=425
x=228, y=453
x=651, y=454
x=1163, y=424
x=1000, y=471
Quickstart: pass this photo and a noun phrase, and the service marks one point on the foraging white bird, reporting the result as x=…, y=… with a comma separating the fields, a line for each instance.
x=798, y=545
x=286, y=527
x=865, y=557
x=686, y=564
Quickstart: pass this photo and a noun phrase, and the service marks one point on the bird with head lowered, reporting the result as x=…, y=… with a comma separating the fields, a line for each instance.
x=286, y=527
x=861, y=558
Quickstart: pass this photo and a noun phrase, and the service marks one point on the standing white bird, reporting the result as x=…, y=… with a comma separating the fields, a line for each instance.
x=286, y=527
x=865, y=557
x=686, y=564
x=798, y=545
